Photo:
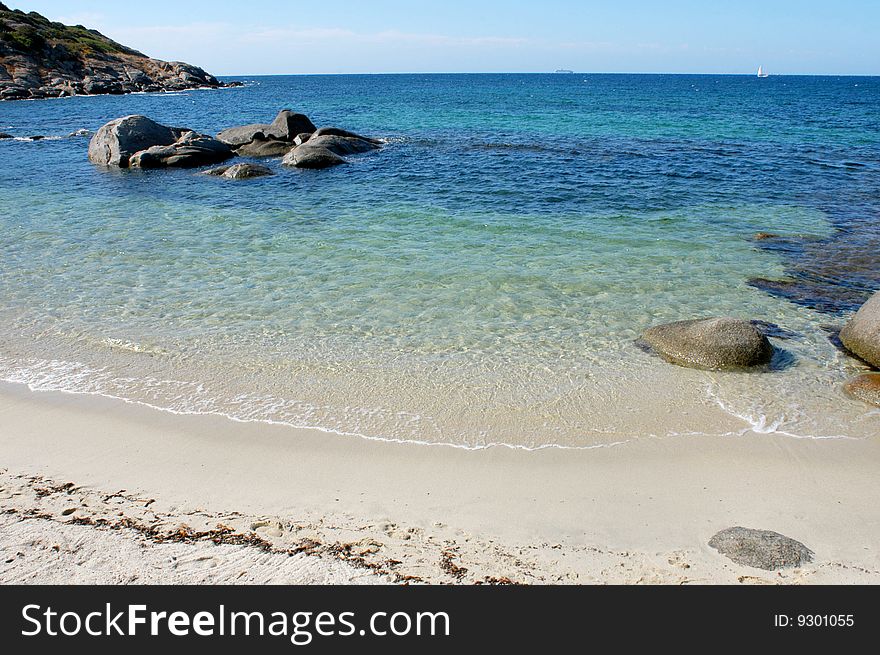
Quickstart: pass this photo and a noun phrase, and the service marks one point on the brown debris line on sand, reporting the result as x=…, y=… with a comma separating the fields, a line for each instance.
x=392, y=552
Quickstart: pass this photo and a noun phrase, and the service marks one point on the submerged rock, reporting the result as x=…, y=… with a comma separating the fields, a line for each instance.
x=81, y=132
x=712, y=343
x=769, y=329
x=190, y=150
x=4, y=135
x=865, y=387
x=240, y=171
x=861, y=335
x=830, y=275
x=761, y=549
x=116, y=142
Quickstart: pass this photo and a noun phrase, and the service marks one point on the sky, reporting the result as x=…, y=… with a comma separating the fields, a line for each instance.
x=393, y=36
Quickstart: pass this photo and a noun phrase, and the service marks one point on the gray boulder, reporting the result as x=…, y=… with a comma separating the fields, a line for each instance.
x=310, y=156
x=865, y=387
x=861, y=335
x=712, y=343
x=118, y=140
x=285, y=127
x=238, y=136
x=288, y=124
x=761, y=549
x=263, y=146
x=335, y=131
x=341, y=145
x=240, y=171
x=191, y=149
x=302, y=138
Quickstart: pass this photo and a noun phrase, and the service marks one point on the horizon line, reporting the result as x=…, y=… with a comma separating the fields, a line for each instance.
x=566, y=72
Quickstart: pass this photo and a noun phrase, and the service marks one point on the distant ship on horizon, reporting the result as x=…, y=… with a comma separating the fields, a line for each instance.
x=761, y=72
x=563, y=70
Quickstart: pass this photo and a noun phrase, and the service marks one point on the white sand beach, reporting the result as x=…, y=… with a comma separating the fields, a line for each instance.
x=96, y=490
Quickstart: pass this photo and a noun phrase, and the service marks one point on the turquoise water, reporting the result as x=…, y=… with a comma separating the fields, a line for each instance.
x=479, y=281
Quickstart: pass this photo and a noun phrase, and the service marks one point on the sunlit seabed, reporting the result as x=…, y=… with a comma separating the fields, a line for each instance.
x=498, y=304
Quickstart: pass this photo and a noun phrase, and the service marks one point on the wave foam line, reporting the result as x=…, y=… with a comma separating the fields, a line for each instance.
x=44, y=382
x=763, y=425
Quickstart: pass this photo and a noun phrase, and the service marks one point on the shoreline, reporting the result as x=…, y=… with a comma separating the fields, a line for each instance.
x=639, y=512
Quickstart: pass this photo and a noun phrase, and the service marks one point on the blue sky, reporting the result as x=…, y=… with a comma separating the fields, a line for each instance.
x=375, y=36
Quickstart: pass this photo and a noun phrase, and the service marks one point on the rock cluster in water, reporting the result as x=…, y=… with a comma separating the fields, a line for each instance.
x=725, y=343
x=294, y=137
x=43, y=59
x=139, y=142
x=761, y=549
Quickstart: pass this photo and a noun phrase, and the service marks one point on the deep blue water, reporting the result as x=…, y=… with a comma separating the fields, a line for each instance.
x=481, y=279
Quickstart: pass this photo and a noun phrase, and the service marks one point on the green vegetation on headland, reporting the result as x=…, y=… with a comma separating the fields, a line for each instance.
x=32, y=32
x=40, y=58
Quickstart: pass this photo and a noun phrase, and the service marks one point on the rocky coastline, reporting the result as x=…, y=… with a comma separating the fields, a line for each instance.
x=44, y=59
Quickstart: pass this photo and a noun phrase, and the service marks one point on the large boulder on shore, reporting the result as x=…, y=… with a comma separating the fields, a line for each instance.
x=285, y=127
x=861, y=335
x=190, y=150
x=118, y=140
x=712, y=343
x=761, y=549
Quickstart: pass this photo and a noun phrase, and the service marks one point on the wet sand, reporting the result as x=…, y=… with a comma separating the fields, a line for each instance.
x=81, y=470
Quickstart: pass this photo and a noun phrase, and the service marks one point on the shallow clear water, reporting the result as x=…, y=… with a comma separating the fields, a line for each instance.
x=480, y=280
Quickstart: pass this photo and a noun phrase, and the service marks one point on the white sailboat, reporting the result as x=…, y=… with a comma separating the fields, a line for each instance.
x=761, y=72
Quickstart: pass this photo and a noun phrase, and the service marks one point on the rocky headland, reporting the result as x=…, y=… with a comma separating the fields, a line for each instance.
x=44, y=59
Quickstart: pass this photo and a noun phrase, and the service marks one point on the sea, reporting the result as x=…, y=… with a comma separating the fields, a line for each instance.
x=481, y=281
